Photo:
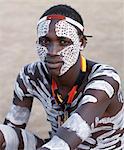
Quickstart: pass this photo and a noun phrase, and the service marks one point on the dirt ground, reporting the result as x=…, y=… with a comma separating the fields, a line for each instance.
x=103, y=19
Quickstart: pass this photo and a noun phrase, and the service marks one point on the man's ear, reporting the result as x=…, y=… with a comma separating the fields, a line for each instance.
x=83, y=40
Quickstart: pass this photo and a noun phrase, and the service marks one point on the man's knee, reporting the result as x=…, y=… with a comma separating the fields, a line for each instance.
x=2, y=140
x=15, y=138
x=8, y=137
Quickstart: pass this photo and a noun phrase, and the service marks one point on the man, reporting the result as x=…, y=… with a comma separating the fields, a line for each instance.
x=82, y=98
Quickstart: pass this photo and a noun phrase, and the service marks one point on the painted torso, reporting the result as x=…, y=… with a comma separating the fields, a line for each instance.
x=107, y=132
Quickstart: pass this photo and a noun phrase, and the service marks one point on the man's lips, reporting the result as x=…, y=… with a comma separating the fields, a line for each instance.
x=53, y=65
x=53, y=62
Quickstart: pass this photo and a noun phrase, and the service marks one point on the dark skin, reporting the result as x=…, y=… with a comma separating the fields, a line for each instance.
x=1, y=140
x=54, y=62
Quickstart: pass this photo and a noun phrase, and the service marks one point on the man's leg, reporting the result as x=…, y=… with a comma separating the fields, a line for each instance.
x=2, y=141
x=16, y=138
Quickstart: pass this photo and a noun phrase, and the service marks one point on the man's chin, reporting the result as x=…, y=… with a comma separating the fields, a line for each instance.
x=54, y=72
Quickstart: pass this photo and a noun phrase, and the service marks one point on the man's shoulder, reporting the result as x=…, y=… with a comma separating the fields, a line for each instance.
x=33, y=65
x=101, y=66
x=104, y=70
x=33, y=69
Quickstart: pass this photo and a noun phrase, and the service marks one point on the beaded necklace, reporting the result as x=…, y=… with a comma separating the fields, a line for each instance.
x=66, y=102
x=72, y=92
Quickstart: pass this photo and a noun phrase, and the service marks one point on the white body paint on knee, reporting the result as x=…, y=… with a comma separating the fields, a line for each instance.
x=29, y=140
x=77, y=124
x=57, y=143
x=10, y=136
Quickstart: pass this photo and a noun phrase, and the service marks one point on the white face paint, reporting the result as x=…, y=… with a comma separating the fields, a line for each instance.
x=70, y=53
x=42, y=51
x=42, y=30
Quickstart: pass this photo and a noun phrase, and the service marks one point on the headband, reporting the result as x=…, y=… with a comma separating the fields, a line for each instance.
x=61, y=17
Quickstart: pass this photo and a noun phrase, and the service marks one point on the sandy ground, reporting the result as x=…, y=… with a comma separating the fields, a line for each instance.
x=103, y=19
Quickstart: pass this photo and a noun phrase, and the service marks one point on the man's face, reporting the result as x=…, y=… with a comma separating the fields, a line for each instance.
x=58, y=45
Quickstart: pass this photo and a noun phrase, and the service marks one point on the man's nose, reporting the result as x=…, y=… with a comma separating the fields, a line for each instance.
x=53, y=49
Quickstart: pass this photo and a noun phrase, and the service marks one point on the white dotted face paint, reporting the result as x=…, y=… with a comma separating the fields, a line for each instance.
x=70, y=53
x=42, y=51
x=42, y=30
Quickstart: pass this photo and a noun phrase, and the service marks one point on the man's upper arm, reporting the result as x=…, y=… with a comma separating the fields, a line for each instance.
x=97, y=96
x=22, y=101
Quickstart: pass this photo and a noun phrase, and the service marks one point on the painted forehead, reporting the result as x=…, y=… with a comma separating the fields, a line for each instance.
x=63, y=27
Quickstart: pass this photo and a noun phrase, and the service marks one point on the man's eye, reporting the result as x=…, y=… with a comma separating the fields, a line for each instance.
x=65, y=42
x=43, y=41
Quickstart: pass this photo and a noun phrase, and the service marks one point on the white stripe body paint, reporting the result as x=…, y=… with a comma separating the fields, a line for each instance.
x=87, y=99
x=101, y=85
x=53, y=110
x=10, y=136
x=103, y=70
x=84, y=147
x=19, y=92
x=56, y=143
x=18, y=115
x=29, y=140
x=77, y=124
x=108, y=140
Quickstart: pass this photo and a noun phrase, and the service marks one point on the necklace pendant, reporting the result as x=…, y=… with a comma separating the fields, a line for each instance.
x=59, y=121
x=59, y=98
x=66, y=115
x=62, y=118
